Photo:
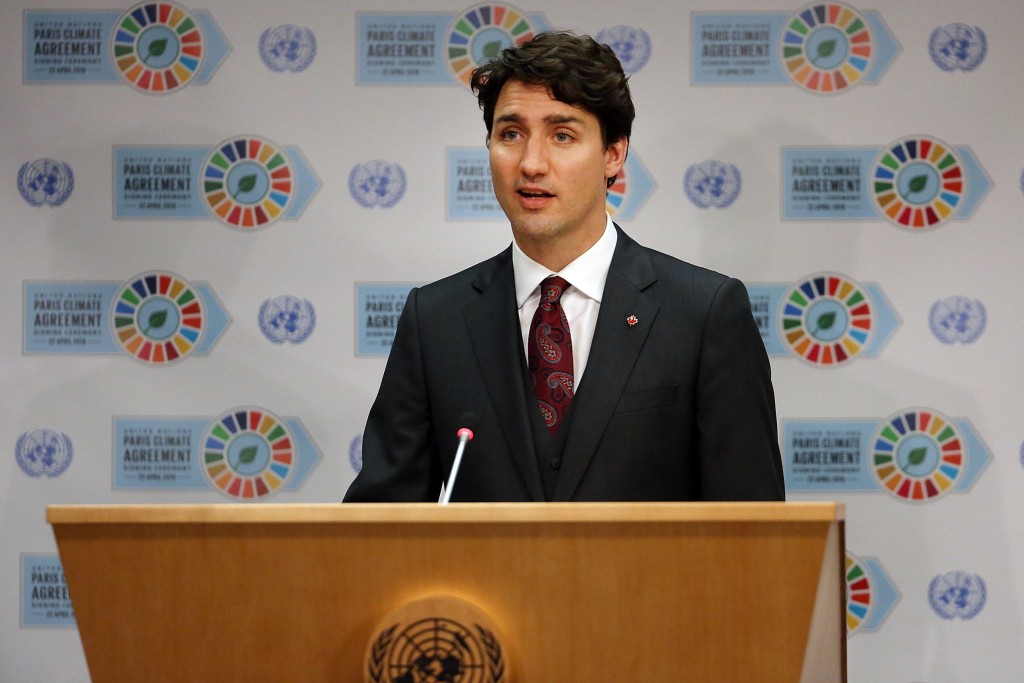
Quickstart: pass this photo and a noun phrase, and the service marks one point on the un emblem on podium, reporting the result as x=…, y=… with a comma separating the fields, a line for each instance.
x=439, y=639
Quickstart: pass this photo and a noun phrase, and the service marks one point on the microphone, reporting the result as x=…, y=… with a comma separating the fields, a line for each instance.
x=469, y=422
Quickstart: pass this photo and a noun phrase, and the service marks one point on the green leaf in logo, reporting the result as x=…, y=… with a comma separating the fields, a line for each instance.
x=157, y=48
x=917, y=456
x=826, y=320
x=245, y=184
x=918, y=183
x=492, y=49
x=157, y=319
x=247, y=455
x=826, y=48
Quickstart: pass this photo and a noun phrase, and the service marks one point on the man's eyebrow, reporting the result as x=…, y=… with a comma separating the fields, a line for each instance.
x=562, y=118
x=550, y=119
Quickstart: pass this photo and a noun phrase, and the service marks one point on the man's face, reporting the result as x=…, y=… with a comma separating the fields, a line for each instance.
x=549, y=166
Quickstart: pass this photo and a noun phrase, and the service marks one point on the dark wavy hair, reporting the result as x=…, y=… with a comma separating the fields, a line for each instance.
x=576, y=70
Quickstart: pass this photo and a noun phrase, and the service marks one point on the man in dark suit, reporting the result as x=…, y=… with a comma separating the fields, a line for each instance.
x=629, y=376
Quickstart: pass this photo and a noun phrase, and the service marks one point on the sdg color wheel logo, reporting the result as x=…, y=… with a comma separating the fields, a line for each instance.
x=859, y=594
x=480, y=33
x=826, y=320
x=826, y=47
x=157, y=47
x=918, y=182
x=918, y=455
x=158, y=318
x=248, y=182
x=248, y=453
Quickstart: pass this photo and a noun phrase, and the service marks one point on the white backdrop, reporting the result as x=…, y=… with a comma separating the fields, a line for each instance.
x=322, y=386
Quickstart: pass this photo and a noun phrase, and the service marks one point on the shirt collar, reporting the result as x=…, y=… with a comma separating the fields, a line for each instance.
x=587, y=273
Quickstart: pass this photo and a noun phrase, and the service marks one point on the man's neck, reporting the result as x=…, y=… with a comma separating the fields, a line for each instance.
x=558, y=252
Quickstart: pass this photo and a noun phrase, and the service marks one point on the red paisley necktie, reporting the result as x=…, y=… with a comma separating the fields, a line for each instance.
x=550, y=354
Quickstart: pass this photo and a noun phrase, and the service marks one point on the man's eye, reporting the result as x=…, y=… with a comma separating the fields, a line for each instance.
x=563, y=137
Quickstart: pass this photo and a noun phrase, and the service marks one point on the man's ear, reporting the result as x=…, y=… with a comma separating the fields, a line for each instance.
x=615, y=157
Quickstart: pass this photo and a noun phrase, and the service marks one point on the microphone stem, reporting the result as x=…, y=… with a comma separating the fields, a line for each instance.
x=455, y=469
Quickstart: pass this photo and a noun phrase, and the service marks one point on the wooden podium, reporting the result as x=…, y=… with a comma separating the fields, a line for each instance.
x=613, y=592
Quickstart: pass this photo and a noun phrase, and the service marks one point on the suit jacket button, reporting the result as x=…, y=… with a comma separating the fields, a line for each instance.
x=556, y=463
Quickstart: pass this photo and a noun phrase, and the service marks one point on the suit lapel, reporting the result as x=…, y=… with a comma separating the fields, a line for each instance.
x=495, y=336
x=614, y=351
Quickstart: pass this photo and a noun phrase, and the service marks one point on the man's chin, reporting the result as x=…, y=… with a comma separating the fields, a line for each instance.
x=535, y=228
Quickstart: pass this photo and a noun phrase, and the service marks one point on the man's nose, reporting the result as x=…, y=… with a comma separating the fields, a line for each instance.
x=535, y=157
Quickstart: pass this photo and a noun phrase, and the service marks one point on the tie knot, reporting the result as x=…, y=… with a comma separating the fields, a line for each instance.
x=552, y=288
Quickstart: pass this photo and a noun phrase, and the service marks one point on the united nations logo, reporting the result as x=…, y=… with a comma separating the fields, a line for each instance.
x=957, y=319
x=43, y=452
x=631, y=45
x=957, y=594
x=918, y=182
x=712, y=183
x=436, y=640
x=377, y=183
x=248, y=453
x=480, y=33
x=826, y=320
x=287, y=48
x=157, y=47
x=287, y=318
x=45, y=181
x=918, y=455
x=158, y=318
x=248, y=182
x=355, y=453
x=860, y=593
x=826, y=47
x=958, y=47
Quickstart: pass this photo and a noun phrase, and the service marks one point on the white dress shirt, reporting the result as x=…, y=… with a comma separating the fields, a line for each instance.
x=581, y=302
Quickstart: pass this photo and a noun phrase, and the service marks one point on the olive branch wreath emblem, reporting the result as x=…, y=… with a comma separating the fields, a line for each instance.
x=495, y=657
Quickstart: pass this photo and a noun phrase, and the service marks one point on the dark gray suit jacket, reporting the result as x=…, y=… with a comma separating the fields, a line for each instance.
x=678, y=406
